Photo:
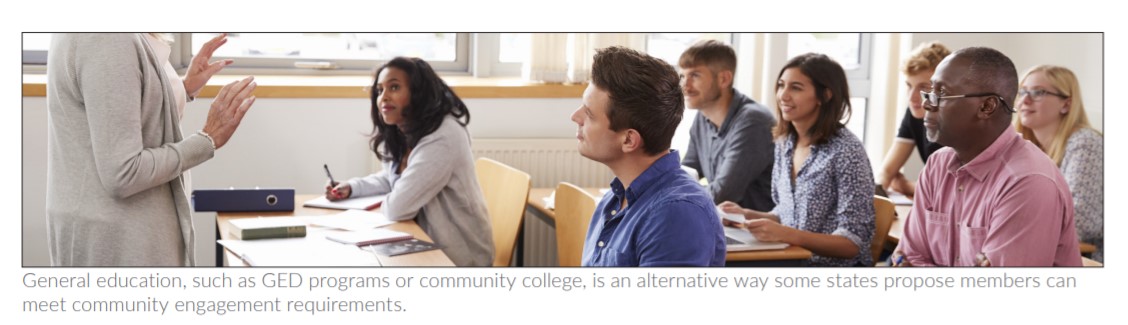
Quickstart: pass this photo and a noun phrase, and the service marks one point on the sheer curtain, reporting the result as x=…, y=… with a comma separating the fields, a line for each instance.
x=560, y=57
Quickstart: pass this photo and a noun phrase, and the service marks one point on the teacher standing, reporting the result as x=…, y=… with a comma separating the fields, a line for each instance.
x=116, y=154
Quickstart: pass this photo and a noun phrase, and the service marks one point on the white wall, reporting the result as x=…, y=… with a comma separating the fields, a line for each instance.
x=282, y=143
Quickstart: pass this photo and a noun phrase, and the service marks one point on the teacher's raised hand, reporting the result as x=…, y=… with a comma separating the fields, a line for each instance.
x=228, y=109
x=200, y=70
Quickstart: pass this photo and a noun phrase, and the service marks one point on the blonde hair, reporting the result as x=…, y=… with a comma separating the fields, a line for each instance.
x=925, y=57
x=1065, y=83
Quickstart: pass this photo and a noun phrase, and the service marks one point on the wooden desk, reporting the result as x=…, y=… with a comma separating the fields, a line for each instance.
x=790, y=256
x=898, y=227
x=428, y=258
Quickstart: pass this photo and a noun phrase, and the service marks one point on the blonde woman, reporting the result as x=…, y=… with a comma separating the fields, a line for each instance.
x=917, y=69
x=1052, y=116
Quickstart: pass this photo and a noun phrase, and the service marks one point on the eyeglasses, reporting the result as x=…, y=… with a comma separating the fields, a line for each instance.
x=1036, y=95
x=934, y=99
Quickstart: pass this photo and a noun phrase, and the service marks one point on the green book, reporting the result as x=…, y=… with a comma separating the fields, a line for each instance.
x=263, y=228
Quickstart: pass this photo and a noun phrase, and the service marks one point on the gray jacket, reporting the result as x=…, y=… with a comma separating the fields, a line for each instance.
x=439, y=189
x=115, y=195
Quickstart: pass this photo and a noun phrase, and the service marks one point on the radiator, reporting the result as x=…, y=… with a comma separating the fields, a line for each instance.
x=548, y=162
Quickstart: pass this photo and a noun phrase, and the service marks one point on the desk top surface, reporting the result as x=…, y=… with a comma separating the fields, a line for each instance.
x=428, y=258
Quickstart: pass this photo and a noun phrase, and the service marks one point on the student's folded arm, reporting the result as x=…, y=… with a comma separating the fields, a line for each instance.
x=110, y=84
x=682, y=235
x=428, y=170
x=898, y=154
x=374, y=184
x=1027, y=224
x=746, y=157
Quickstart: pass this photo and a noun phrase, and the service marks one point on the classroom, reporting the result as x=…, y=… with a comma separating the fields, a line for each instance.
x=313, y=110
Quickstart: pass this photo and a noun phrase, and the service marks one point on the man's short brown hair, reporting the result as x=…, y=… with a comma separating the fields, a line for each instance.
x=713, y=54
x=645, y=95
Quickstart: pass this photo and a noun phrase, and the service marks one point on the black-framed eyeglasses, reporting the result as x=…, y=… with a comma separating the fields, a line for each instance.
x=1036, y=95
x=934, y=99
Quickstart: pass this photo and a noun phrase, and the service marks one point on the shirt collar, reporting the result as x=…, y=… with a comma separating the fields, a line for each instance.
x=987, y=160
x=671, y=161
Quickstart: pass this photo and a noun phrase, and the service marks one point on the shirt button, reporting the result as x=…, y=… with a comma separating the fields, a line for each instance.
x=600, y=243
x=613, y=212
x=961, y=188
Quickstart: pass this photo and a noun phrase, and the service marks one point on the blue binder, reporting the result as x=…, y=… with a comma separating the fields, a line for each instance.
x=243, y=200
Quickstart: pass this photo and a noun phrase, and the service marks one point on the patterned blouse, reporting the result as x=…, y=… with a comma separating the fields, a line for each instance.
x=1083, y=168
x=832, y=193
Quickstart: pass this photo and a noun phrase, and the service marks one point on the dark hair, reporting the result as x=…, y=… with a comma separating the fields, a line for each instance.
x=645, y=95
x=827, y=76
x=991, y=70
x=714, y=54
x=431, y=101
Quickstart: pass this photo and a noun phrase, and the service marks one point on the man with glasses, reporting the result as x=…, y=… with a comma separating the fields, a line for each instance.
x=990, y=198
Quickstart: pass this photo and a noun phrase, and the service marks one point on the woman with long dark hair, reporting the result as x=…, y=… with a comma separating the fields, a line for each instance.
x=419, y=132
x=822, y=183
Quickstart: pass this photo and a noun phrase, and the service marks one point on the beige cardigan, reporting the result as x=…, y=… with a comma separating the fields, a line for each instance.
x=115, y=195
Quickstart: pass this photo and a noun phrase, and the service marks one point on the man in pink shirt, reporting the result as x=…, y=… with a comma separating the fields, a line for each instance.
x=990, y=197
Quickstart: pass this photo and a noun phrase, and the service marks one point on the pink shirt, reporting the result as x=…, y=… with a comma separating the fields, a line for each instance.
x=1010, y=203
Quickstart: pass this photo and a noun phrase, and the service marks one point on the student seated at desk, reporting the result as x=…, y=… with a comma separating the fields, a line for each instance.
x=1052, y=116
x=655, y=213
x=822, y=183
x=990, y=197
x=917, y=69
x=420, y=134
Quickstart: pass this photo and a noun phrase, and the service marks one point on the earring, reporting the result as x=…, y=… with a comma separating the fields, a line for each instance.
x=1064, y=111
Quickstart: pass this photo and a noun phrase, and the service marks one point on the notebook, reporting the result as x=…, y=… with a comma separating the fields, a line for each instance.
x=355, y=203
x=369, y=237
x=739, y=240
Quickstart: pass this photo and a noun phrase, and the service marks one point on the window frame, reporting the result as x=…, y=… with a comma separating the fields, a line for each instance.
x=182, y=56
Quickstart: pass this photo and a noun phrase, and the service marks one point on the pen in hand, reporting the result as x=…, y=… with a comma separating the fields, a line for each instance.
x=332, y=183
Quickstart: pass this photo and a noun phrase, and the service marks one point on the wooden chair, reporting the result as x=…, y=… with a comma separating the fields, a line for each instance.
x=506, y=190
x=885, y=211
x=574, y=208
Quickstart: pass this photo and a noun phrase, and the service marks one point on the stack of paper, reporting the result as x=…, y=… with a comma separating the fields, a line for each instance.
x=356, y=203
x=355, y=220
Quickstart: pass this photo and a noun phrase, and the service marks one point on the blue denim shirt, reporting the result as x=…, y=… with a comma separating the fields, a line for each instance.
x=670, y=220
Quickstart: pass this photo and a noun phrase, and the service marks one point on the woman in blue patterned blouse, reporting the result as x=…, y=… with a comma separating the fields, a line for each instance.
x=1051, y=115
x=822, y=182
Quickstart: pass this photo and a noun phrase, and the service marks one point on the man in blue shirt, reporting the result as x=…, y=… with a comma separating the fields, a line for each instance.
x=655, y=213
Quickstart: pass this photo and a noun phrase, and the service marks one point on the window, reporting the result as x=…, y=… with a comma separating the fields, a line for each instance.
x=851, y=50
x=35, y=47
x=346, y=51
x=514, y=47
x=669, y=46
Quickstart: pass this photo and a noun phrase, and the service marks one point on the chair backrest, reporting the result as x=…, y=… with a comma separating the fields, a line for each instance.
x=574, y=208
x=506, y=190
x=884, y=210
